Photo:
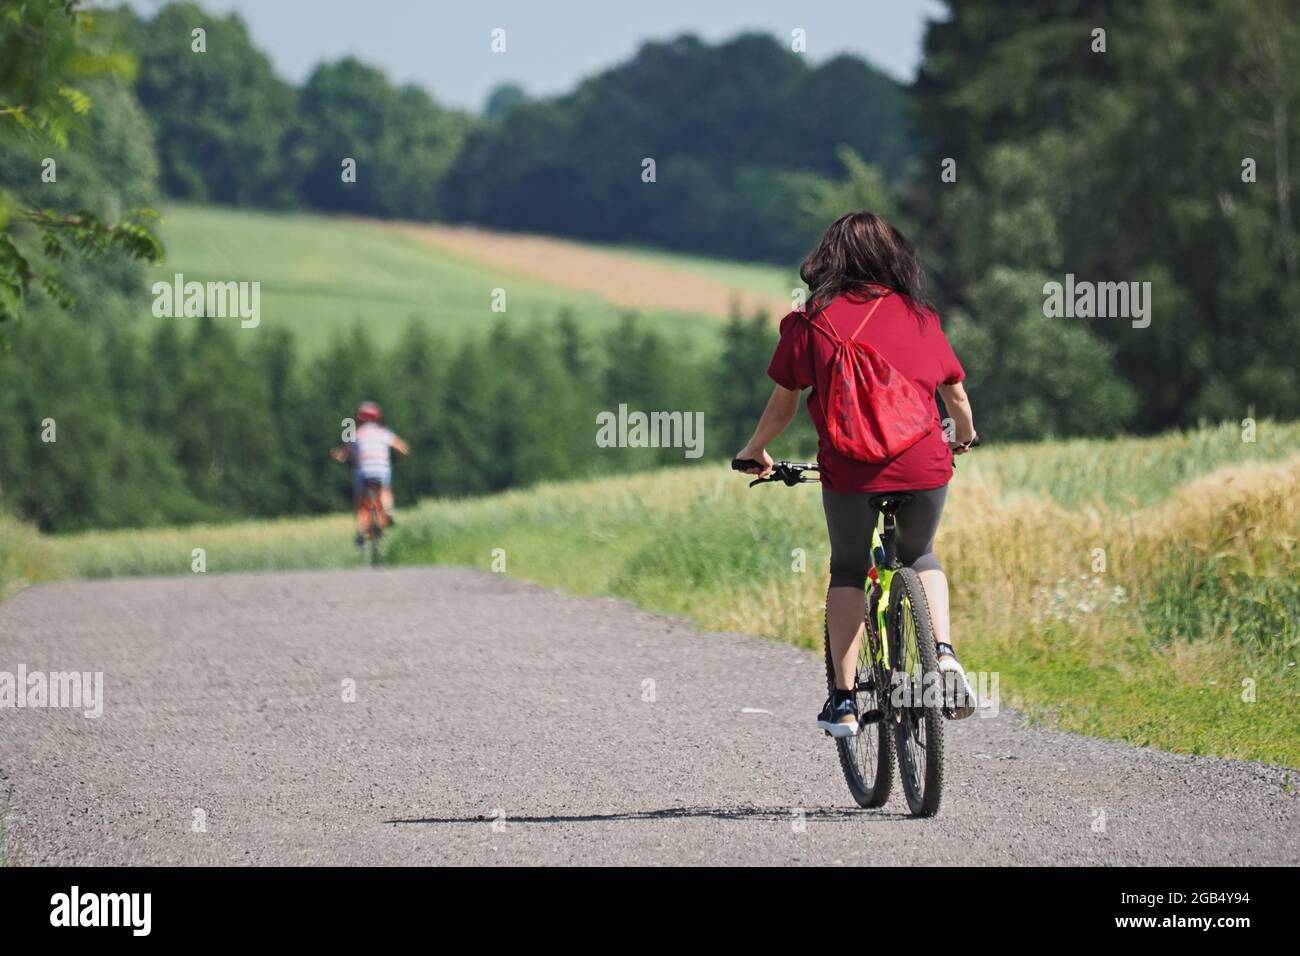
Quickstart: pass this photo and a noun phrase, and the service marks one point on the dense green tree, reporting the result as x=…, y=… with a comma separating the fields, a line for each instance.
x=220, y=110
x=740, y=132
x=1122, y=166
x=647, y=372
x=740, y=387
x=298, y=478
x=848, y=103
x=470, y=464
x=992, y=71
x=533, y=416
x=223, y=429
x=418, y=372
x=401, y=141
x=1032, y=376
x=70, y=460
x=503, y=99
x=863, y=187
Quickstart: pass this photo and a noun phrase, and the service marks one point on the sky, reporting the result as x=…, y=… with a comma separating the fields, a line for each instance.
x=444, y=45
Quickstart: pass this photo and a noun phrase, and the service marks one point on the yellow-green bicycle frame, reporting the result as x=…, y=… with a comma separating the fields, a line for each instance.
x=883, y=578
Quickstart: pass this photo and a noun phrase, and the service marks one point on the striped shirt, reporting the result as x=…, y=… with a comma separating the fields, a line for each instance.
x=370, y=451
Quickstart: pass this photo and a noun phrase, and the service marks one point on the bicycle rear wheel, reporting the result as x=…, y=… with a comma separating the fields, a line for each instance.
x=917, y=692
x=868, y=758
x=376, y=526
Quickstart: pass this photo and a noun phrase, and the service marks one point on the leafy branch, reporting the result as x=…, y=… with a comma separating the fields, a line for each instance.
x=44, y=46
x=81, y=232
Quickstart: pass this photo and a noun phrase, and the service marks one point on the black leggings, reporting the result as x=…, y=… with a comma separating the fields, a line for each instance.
x=850, y=520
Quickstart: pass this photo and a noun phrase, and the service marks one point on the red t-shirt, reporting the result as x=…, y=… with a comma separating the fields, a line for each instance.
x=912, y=341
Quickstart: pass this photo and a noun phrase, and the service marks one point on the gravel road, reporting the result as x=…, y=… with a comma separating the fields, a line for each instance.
x=499, y=723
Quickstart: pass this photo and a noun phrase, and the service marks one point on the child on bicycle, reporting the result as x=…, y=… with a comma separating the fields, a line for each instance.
x=369, y=453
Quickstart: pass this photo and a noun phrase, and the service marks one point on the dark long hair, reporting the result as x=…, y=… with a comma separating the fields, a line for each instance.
x=859, y=250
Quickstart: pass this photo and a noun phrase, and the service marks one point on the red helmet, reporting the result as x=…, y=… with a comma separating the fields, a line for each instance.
x=369, y=412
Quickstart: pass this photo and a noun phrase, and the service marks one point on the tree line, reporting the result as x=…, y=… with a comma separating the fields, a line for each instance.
x=194, y=420
x=739, y=133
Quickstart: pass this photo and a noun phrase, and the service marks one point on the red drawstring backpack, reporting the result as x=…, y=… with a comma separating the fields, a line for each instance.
x=873, y=412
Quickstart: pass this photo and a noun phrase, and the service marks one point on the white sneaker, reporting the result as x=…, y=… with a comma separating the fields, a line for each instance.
x=959, y=696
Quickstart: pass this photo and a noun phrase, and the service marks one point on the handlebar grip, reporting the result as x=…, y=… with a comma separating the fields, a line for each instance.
x=740, y=464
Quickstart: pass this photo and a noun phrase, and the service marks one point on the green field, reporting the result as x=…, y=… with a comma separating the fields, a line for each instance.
x=768, y=280
x=1197, y=604
x=322, y=274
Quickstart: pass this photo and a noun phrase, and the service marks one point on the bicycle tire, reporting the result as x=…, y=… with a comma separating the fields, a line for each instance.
x=918, y=725
x=376, y=531
x=867, y=759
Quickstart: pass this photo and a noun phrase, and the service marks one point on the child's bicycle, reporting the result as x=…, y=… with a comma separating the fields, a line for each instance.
x=371, y=511
x=899, y=690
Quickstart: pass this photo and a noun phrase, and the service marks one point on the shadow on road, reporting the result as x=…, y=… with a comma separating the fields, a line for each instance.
x=677, y=813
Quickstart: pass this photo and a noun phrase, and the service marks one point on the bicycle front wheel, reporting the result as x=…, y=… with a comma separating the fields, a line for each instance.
x=917, y=694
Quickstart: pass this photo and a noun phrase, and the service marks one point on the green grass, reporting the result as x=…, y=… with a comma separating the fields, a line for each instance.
x=322, y=274
x=1199, y=596
x=1131, y=472
x=1201, y=535
x=317, y=542
x=25, y=557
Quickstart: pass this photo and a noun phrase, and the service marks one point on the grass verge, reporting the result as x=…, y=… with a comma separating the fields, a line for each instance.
x=1142, y=589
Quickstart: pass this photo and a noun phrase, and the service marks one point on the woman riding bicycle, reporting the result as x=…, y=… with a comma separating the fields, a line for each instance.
x=864, y=268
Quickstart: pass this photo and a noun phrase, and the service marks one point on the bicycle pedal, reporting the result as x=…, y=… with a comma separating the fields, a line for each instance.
x=872, y=716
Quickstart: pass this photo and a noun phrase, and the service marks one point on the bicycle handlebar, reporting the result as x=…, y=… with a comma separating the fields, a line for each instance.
x=789, y=472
